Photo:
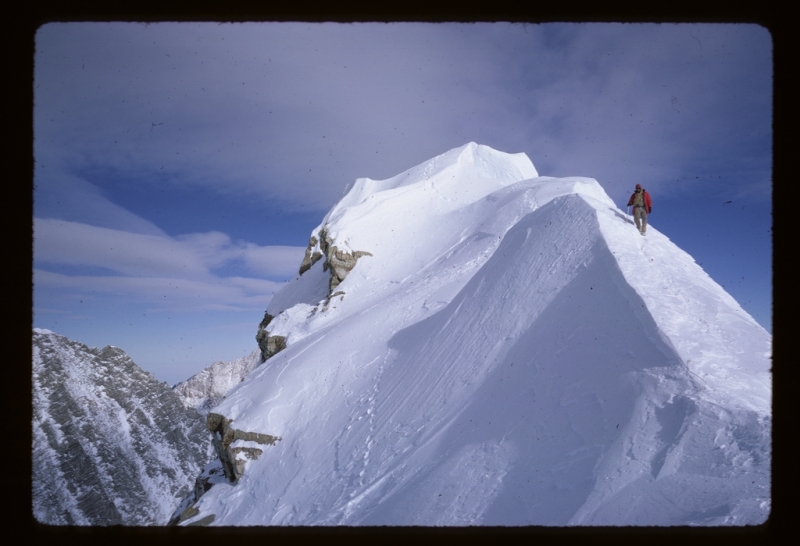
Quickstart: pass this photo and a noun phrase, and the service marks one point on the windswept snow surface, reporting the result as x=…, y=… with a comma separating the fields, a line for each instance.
x=514, y=352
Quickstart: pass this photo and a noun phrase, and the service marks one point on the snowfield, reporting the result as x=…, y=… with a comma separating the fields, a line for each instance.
x=510, y=352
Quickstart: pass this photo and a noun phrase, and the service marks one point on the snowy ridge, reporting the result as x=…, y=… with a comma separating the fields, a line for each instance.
x=512, y=352
x=716, y=339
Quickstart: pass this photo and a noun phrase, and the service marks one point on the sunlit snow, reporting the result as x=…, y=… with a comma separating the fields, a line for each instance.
x=512, y=352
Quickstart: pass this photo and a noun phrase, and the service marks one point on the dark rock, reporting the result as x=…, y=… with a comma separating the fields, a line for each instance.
x=339, y=262
x=190, y=512
x=212, y=474
x=269, y=345
x=311, y=257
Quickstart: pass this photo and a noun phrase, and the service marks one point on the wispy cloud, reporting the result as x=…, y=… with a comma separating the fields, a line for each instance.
x=72, y=243
x=167, y=293
x=164, y=271
x=69, y=197
x=296, y=111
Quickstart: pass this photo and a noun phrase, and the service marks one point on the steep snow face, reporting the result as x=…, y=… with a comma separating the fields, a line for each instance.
x=205, y=389
x=111, y=444
x=715, y=338
x=512, y=354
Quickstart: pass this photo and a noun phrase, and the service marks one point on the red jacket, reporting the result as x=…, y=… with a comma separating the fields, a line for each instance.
x=648, y=204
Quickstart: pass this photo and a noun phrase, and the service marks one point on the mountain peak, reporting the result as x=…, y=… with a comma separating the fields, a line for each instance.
x=495, y=164
x=484, y=162
x=500, y=349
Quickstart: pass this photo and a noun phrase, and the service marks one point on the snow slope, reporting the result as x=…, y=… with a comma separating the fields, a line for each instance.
x=512, y=352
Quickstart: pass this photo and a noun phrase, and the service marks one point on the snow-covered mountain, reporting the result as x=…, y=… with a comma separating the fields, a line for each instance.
x=111, y=444
x=206, y=388
x=470, y=343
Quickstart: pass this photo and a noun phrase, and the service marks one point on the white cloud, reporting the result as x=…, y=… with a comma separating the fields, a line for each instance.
x=73, y=243
x=188, y=256
x=171, y=293
x=68, y=197
x=213, y=249
x=167, y=272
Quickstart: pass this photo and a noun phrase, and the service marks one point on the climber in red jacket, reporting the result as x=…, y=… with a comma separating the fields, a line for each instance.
x=642, y=206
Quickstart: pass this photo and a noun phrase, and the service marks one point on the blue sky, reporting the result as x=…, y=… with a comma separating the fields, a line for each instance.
x=180, y=167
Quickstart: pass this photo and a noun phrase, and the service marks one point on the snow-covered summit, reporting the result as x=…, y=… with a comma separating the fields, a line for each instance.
x=471, y=343
x=404, y=222
x=473, y=167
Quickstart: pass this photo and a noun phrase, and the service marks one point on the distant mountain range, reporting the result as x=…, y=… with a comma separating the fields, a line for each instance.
x=207, y=388
x=111, y=444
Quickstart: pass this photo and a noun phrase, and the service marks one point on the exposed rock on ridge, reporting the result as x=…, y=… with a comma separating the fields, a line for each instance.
x=212, y=474
x=339, y=262
x=233, y=448
x=312, y=255
x=269, y=345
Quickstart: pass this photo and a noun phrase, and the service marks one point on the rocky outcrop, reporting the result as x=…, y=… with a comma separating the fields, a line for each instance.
x=270, y=345
x=338, y=262
x=234, y=448
x=111, y=444
x=312, y=255
x=212, y=474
